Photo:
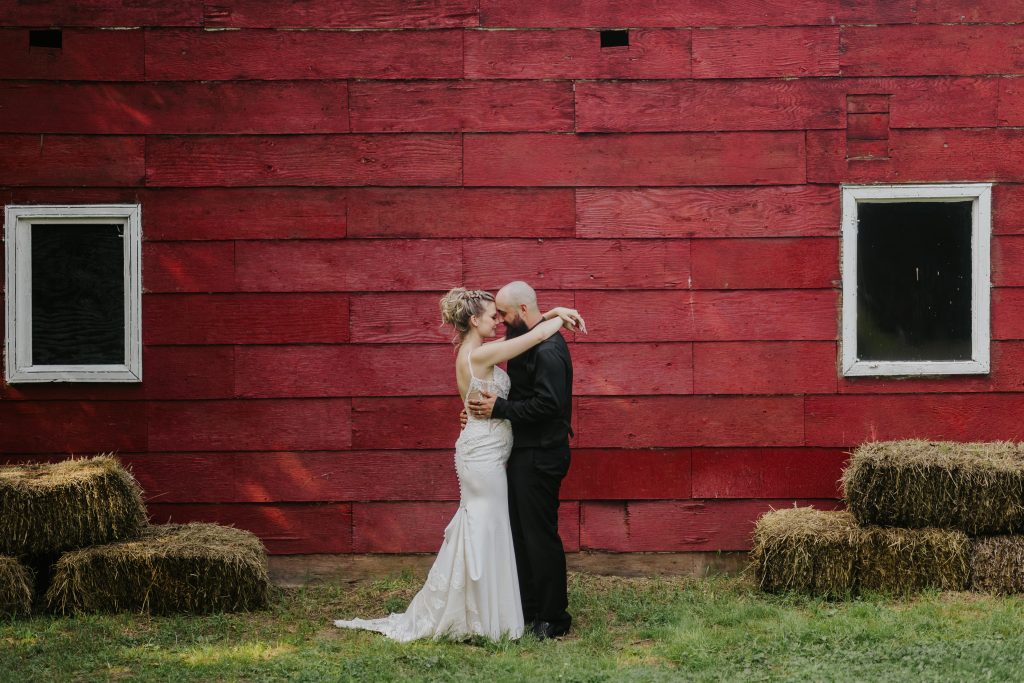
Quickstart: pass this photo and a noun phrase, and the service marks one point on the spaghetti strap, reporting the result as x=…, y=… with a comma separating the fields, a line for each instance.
x=469, y=360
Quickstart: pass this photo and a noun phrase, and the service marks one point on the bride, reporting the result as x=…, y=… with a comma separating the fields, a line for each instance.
x=473, y=588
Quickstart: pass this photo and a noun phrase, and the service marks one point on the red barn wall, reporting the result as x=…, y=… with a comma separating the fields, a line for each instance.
x=308, y=191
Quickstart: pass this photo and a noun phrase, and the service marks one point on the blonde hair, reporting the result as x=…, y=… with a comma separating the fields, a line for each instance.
x=461, y=304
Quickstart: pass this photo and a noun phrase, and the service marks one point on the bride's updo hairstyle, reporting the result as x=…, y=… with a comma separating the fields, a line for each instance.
x=461, y=304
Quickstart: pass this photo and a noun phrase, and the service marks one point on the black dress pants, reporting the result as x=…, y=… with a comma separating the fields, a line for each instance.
x=534, y=477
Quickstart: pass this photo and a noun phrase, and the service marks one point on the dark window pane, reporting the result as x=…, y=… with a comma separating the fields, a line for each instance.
x=914, y=281
x=77, y=294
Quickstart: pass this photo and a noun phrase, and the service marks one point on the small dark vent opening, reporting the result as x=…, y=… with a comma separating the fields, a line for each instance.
x=619, y=38
x=51, y=37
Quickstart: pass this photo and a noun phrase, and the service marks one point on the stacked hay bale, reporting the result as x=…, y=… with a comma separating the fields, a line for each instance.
x=921, y=515
x=90, y=514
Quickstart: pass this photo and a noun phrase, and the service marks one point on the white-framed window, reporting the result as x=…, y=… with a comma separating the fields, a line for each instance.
x=916, y=279
x=73, y=293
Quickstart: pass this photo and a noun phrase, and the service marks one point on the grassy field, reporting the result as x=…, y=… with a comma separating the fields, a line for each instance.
x=626, y=630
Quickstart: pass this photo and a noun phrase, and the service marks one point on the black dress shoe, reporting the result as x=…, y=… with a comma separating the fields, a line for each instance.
x=544, y=630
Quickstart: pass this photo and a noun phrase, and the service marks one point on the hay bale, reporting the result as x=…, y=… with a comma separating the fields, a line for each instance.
x=806, y=550
x=195, y=568
x=829, y=554
x=997, y=564
x=908, y=560
x=15, y=588
x=977, y=488
x=52, y=507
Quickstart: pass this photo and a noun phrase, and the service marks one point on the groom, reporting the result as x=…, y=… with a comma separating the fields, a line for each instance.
x=539, y=406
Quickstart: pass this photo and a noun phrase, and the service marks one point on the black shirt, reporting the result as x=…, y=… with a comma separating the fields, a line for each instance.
x=539, y=404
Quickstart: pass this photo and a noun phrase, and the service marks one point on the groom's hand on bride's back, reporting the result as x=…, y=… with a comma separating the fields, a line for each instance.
x=483, y=406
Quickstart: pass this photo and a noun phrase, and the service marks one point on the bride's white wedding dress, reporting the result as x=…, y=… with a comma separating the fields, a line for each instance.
x=473, y=588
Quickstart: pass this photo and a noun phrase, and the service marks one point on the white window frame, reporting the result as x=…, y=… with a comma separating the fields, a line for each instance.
x=18, y=301
x=980, y=195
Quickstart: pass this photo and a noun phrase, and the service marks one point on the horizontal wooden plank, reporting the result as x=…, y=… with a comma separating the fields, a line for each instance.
x=931, y=50
x=245, y=318
x=284, y=529
x=399, y=318
x=682, y=105
x=665, y=526
x=784, y=263
x=48, y=160
x=708, y=212
x=418, y=527
x=637, y=159
x=415, y=317
x=169, y=372
x=84, y=55
x=768, y=472
x=681, y=421
x=846, y=421
x=1007, y=308
x=180, y=54
x=604, y=13
x=244, y=213
x=637, y=316
x=632, y=369
x=481, y=106
x=78, y=427
x=877, y=12
x=101, y=13
x=347, y=265
x=189, y=266
x=303, y=160
x=938, y=102
x=578, y=264
x=250, y=425
x=320, y=14
x=969, y=11
x=460, y=212
x=346, y=370
x=295, y=477
x=405, y=422
x=1007, y=261
x=1011, y=102
x=766, y=52
x=185, y=108
x=764, y=368
x=1007, y=209
x=628, y=474
x=651, y=53
x=782, y=315
x=922, y=156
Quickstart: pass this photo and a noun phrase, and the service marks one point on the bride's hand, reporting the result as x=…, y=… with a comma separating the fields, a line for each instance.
x=572, y=320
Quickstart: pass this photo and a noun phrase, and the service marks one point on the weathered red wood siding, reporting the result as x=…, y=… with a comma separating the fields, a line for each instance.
x=307, y=194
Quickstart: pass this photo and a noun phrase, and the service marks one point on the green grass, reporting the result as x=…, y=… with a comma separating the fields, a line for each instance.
x=626, y=629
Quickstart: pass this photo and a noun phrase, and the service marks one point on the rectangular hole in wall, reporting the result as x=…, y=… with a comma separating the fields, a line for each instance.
x=53, y=38
x=77, y=294
x=914, y=281
x=615, y=38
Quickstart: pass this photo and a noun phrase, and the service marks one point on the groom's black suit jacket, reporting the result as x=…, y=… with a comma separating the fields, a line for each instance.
x=539, y=405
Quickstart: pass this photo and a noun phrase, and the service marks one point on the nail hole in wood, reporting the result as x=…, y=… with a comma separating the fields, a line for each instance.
x=616, y=38
x=49, y=37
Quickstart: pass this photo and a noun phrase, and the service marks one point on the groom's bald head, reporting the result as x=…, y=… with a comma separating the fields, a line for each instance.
x=517, y=305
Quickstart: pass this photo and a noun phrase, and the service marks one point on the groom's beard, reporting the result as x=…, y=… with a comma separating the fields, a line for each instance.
x=516, y=328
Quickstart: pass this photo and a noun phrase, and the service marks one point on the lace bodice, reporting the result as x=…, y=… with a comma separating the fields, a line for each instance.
x=499, y=384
